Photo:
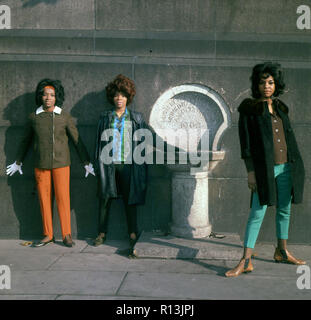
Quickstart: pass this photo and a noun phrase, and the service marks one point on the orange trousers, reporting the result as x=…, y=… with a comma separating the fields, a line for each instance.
x=61, y=177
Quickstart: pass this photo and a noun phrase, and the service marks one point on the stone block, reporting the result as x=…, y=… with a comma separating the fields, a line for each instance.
x=153, y=245
x=52, y=14
x=263, y=50
x=194, y=16
x=42, y=43
x=263, y=17
x=154, y=47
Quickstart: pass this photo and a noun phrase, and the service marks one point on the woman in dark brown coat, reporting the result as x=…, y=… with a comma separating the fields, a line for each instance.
x=273, y=162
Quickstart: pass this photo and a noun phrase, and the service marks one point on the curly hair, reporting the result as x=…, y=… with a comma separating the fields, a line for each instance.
x=59, y=91
x=121, y=84
x=264, y=70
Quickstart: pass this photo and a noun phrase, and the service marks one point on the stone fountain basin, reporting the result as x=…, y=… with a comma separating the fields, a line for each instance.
x=209, y=159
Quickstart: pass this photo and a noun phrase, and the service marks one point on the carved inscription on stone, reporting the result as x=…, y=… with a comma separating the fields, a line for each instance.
x=182, y=115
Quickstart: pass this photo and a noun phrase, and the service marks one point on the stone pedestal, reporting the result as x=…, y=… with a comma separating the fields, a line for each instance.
x=190, y=215
x=190, y=205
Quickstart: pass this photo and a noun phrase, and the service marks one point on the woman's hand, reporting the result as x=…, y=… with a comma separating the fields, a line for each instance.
x=12, y=168
x=251, y=179
x=89, y=169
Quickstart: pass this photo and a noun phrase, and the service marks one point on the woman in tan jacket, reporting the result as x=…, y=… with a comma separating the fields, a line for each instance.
x=50, y=126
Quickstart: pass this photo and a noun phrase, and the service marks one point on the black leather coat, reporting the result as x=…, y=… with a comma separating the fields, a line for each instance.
x=106, y=172
x=256, y=140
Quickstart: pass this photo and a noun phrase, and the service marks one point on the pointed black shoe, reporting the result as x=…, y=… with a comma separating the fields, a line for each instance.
x=43, y=243
x=132, y=252
x=68, y=241
x=99, y=240
x=132, y=243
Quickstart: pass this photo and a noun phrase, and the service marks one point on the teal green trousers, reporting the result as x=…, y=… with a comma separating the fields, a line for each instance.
x=284, y=188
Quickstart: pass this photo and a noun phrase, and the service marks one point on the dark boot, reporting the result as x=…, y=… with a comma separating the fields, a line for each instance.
x=68, y=241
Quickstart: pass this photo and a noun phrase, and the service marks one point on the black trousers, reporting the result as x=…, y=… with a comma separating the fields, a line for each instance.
x=123, y=179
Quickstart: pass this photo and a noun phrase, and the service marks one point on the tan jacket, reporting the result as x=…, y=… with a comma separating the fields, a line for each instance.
x=50, y=131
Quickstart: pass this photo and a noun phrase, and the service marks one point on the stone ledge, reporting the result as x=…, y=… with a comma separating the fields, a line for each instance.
x=154, y=245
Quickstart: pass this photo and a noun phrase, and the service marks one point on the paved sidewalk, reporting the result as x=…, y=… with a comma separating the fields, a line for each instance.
x=85, y=272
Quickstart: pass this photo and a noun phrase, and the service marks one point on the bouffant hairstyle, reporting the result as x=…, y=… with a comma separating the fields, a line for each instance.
x=121, y=84
x=263, y=71
x=59, y=91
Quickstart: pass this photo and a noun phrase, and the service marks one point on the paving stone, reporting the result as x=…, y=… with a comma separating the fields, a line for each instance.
x=152, y=245
x=27, y=297
x=93, y=297
x=89, y=261
x=202, y=286
x=65, y=282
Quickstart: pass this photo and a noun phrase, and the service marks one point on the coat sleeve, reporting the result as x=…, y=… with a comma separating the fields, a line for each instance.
x=77, y=141
x=100, y=127
x=244, y=142
x=97, y=151
x=26, y=141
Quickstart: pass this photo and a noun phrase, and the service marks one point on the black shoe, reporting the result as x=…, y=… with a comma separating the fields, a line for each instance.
x=99, y=240
x=43, y=243
x=132, y=251
x=133, y=254
x=132, y=243
x=68, y=241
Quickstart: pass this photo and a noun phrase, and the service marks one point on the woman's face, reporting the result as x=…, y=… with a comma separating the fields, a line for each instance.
x=48, y=98
x=266, y=86
x=120, y=100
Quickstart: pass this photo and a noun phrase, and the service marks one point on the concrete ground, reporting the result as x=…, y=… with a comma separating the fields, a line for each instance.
x=162, y=271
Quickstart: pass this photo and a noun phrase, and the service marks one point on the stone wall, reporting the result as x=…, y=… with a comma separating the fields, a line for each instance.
x=160, y=44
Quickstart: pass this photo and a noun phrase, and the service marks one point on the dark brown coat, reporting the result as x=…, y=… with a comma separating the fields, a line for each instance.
x=256, y=140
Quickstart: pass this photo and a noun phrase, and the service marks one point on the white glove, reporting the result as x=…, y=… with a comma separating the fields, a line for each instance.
x=89, y=169
x=12, y=168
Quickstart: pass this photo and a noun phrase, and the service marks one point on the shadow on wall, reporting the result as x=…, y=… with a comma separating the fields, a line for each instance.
x=86, y=112
x=33, y=3
x=88, y=109
x=23, y=188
